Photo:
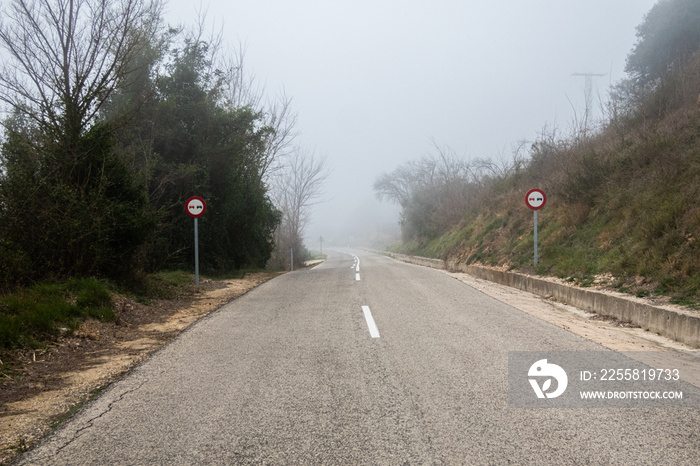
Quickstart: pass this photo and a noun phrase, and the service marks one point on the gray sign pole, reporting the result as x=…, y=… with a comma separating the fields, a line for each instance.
x=292, y=263
x=196, y=253
x=535, y=237
x=535, y=199
x=195, y=207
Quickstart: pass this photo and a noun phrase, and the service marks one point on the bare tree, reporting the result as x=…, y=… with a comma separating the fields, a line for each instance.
x=282, y=120
x=297, y=187
x=66, y=57
x=502, y=167
x=443, y=169
x=241, y=88
x=396, y=186
x=437, y=190
x=276, y=115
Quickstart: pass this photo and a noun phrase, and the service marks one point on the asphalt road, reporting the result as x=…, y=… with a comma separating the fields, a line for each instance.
x=290, y=374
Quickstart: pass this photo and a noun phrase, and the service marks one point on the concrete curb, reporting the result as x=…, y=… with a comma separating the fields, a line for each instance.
x=675, y=324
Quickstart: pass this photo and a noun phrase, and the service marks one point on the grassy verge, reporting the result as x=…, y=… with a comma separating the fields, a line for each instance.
x=234, y=274
x=315, y=256
x=35, y=316
x=32, y=316
x=168, y=284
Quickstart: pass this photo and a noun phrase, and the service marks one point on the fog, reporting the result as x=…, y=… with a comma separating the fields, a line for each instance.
x=373, y=81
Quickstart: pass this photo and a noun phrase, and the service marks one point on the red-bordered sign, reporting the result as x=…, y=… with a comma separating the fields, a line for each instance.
x=195, y=206
x=535, y=199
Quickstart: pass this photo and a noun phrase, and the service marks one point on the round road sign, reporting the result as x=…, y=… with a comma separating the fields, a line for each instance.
x=195, y=206
x=535, y=199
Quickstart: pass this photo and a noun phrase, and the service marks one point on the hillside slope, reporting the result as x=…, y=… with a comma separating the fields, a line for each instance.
x=623, y=200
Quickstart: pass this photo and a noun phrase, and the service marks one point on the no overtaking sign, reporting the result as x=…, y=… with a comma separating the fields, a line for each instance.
x=535, y=199
x=195, y=206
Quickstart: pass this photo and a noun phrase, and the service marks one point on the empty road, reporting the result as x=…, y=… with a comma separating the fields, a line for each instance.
x=379, y=362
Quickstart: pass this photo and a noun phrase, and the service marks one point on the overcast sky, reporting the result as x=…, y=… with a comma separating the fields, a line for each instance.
x=373, y=81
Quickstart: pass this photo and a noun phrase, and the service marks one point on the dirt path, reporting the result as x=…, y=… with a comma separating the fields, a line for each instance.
x=53, y=383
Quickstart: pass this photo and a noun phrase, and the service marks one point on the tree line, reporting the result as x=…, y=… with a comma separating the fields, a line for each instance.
x=113, y=120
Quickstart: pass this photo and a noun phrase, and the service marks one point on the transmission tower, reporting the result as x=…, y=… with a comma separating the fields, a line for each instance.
x=588, y=90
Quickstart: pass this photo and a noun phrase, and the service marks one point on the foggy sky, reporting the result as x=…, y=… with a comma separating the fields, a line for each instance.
x=373, y=80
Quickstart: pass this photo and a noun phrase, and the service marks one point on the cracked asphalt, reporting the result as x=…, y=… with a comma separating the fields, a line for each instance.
x=289, y=374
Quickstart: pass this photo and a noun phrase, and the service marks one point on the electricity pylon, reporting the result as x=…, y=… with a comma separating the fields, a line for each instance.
x=588, y=94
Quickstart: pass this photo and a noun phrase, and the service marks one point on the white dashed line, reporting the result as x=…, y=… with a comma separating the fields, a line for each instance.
x=373, y=330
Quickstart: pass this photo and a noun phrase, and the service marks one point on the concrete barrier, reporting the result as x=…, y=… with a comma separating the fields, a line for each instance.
x=682, y=326
x=424, y=261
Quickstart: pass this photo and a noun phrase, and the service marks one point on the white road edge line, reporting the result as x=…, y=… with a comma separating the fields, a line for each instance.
x=373, y=330
x=357, y=277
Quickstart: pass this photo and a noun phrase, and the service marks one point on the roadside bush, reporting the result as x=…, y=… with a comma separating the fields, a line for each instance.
x=68, y=213
x=34, y=315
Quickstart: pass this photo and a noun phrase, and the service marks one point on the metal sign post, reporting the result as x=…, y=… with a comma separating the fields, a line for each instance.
x=535, y=199
x=535, y=212
x=195, y=207
x=196, y=252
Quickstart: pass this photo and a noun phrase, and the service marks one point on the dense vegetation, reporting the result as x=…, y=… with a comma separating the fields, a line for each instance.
x=113, y=120
x=623, y=197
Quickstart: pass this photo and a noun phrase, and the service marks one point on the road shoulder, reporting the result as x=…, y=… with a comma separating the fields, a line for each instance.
x=606, y=331
x=53, y=383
